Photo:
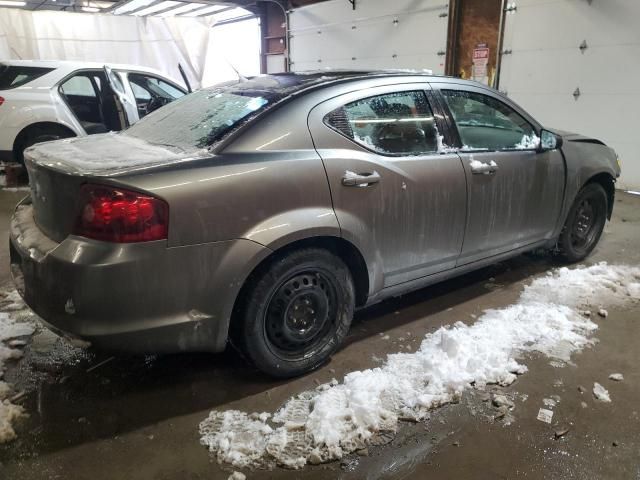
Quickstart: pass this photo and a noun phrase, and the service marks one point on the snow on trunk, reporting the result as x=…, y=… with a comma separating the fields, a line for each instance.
x=337, y=419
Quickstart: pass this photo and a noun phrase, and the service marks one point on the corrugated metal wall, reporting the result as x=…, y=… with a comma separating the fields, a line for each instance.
x=543, y=67
x=377, y=34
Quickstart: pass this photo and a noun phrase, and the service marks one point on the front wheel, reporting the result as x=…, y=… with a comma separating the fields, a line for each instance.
x=296, y=312
x=585, y=223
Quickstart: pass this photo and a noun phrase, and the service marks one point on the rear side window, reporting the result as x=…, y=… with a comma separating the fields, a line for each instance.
x=14, y=76
x=392, y=124
x=486, y=123
x=80, y=86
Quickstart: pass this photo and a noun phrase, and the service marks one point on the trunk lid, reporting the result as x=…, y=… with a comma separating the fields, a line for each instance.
x=58, y=169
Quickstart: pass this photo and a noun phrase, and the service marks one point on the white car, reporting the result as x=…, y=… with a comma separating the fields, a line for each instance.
x=48, y=100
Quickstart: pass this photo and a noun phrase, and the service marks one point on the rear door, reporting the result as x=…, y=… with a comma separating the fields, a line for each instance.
x=515, y=192
x=395, y=195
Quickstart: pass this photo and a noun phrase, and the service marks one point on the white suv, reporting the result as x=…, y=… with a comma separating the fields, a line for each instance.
x=47, y=100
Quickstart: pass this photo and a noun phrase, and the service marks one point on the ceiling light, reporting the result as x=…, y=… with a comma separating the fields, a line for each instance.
x=230, y=14
x=156, y=8
x=205, y=11
x=132, y=5
x=184, y=8
x=12, y=3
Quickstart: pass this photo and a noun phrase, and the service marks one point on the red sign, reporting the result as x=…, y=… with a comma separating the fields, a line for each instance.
x=480, y=53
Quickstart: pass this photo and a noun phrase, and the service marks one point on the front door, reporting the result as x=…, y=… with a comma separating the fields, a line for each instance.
x=396, y=195
x=126, y=107
x=515, y=190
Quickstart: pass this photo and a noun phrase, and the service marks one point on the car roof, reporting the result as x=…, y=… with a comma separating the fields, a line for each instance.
x=71, y=65
x=296, y=82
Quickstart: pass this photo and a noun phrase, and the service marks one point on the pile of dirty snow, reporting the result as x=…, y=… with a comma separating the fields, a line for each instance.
x=337, y=419
x=12, y=326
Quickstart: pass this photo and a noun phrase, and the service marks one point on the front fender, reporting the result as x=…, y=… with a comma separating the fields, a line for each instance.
x=584, y=161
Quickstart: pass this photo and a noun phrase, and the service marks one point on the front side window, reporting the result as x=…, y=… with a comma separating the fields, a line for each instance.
x=485, y=123
x=146, y=87
x=391, y=124
x=151, y=93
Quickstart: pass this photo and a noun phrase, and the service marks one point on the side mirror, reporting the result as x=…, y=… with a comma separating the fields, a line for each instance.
x=549, y=141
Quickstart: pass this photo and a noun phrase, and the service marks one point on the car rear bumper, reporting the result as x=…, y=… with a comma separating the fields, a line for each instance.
x=142, y=298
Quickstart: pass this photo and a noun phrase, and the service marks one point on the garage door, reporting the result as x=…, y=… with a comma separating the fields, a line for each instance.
x=377, y=34
x=574, y=65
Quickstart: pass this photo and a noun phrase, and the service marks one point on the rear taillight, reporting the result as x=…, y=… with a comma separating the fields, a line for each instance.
x=1, y=100
x=121, y=216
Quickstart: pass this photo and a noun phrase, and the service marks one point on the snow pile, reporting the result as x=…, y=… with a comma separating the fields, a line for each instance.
x=337, y=419
x=601, y=393
x=10, y=328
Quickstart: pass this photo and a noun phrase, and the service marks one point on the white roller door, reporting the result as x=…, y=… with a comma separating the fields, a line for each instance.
x=377, y=34
x=591, y=90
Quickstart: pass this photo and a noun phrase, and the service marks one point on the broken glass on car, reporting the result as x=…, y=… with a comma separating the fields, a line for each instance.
x=199, y=119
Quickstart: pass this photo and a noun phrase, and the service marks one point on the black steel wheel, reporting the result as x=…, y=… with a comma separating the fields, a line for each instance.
x=584, y=224
x=296, y=312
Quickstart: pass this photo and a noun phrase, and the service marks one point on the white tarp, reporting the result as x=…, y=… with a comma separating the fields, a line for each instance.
x=155, y=42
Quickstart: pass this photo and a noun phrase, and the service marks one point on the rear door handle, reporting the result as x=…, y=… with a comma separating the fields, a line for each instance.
x=481, y=168
x=352, y=179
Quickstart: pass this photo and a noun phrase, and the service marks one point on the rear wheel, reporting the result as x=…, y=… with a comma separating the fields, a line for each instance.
x=296, y=312
x=585, y=223
x=38, y=134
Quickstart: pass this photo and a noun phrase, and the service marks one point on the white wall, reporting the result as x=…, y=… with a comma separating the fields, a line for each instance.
x=155, y=42
x=547, y=66
x=377, y=34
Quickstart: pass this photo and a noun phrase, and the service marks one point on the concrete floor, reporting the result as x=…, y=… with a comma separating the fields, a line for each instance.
x=137, y=418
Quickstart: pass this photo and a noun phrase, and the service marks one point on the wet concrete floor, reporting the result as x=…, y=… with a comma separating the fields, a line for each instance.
x=137, y=418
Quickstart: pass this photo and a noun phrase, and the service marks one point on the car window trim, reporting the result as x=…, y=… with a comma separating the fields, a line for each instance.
x=444, y=119
x=421, y=89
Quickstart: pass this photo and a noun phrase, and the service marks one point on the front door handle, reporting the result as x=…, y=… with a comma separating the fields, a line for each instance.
x=481, y=168
x=352, y=179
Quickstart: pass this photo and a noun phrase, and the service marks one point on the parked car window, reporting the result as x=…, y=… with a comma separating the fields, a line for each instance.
x=14, y=76
x=488, y=124
x=199, y=119
x=152, y=86
x=392, y=124
x=80, y=85
x=152, y=93
x=95, y=109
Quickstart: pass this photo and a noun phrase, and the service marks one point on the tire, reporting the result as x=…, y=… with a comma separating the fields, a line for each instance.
x=38, y=135
x=585, y=223
x=296, y=312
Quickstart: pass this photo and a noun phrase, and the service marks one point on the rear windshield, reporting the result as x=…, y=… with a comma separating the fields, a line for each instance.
x=13, y=76
x=201, y=118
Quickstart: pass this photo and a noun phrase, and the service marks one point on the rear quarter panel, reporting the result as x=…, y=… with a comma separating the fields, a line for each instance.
x=258, y=188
